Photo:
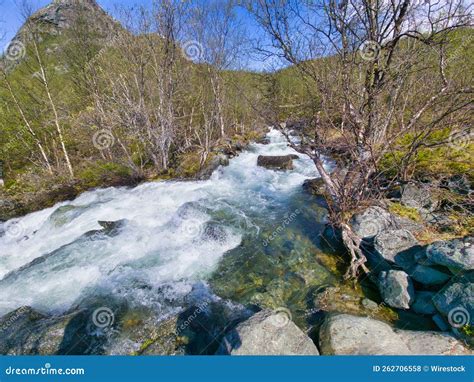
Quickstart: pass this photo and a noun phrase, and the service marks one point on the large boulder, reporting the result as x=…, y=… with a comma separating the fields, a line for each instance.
x=268, y=333
x=392, y=245
x=428, y=275
x=457, y=254
x=396, y=289
x=432, y=343
x=419, y=197
x=347, y=334
x=456, y=301
x=277, y=162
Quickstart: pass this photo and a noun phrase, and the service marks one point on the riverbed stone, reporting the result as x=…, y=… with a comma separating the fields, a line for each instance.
x=276, y=162
x=432, y=343
x=457, y=253
x=428, y=275
x=268, y=333
x=346, y=334
x=396, y=289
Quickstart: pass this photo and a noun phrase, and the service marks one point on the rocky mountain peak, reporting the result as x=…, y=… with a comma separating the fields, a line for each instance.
x=60, y=15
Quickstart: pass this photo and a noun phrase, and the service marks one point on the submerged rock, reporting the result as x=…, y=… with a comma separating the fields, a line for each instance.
x=277, y=162
x=457, y=254
x=268, y=333
x=396, y=289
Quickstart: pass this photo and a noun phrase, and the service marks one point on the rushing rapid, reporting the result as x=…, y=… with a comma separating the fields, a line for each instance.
x=149, y=244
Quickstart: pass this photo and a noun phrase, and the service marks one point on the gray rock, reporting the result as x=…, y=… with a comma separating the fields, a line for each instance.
x=396, y=289
x=214, y=164
x=455, y=301
x=429, y=276
x=432, y=343
x=457, y=254
x=419, y=197
x=371, y=222
x=369, y=304
x=346, y=334
x=314, y=186
x=458, y=183
x=277, y=162
x=423, y=303
x=268, y=333
x=390, y=243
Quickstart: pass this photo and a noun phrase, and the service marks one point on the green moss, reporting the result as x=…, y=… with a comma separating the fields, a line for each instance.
x=405, y=212
x=101, y=174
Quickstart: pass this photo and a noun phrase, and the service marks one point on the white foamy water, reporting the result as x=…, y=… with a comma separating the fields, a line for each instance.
x=169, y=237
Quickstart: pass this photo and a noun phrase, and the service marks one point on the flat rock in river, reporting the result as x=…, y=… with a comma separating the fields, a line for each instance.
x=277, y=162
